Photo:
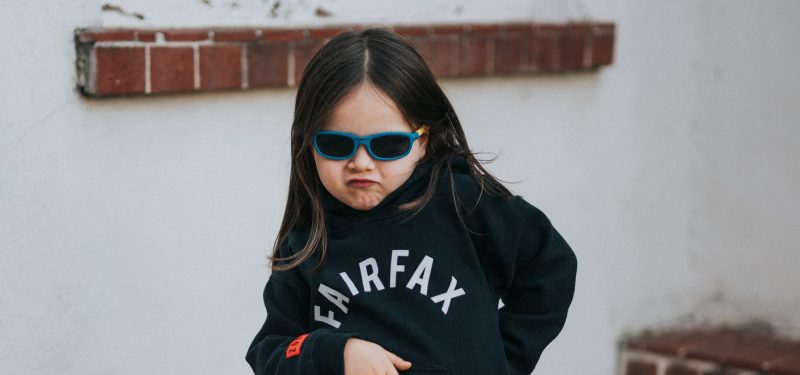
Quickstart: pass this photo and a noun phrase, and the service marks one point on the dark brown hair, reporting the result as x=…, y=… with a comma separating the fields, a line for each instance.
x=391, y=64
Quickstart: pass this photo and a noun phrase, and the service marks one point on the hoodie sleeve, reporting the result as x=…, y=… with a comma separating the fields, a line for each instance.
x=284, y=345
x=540, y=269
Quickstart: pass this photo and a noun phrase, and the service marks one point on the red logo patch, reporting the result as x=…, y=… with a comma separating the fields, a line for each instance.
x=294, y=346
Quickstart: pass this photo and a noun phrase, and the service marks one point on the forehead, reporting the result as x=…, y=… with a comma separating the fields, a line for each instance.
x=366, y=110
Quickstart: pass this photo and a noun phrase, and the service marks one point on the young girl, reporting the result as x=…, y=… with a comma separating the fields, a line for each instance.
x=396, y=245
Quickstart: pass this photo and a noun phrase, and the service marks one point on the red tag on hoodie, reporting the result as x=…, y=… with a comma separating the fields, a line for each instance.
x=295, y=346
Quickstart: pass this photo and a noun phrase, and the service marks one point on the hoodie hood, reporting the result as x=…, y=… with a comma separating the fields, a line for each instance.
x=339, y=215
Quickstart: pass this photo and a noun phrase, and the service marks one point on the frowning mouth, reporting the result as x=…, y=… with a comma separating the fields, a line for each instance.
x=360, y=182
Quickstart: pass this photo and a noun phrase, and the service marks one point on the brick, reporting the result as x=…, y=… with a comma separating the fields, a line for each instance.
x=606, y=26
x=670, y=343
x=171, y=69
x=524, y=27
x=185, y=35
x=550, y=28
x=235, y=35
x=602, y=45
x=511, y=52
x=438, y=53
x=325, y=32
x=640, y=368
x=722, y=371
x=472, y=55
x=268, y=64
x=146, y=35
x=544, y=50
x=271, y=35
x=107, y=36
x=740, y=348
x=412, y=31
x=448, y=29
x=573, y=45
x=582, y=27
x=304, y=50
x=221, y=67
x=785, y=365
x=119, y=70
x=544, y=54
x=678, y=369
x=484, y=28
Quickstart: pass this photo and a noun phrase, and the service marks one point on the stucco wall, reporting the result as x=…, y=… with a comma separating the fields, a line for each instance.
x=133, y=231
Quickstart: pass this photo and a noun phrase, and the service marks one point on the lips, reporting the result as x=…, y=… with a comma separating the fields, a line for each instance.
x=360, y=182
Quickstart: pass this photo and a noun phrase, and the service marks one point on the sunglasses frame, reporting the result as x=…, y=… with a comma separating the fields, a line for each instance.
x=366, y=140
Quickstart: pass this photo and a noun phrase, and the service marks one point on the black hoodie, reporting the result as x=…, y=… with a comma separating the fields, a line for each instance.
x=426, y=289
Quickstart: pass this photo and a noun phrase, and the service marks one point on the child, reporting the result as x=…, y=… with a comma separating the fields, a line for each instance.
x=396, y=244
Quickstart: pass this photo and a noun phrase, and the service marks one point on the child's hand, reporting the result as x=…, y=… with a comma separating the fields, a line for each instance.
x=362, y=357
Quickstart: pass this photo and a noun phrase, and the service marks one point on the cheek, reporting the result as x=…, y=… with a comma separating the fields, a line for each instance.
x=325, y=169
x=399, y=169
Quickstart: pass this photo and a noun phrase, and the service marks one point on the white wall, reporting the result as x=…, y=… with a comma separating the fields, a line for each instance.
x=133, y=231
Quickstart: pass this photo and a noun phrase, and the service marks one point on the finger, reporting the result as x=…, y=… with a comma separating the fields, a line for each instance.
x=398, y=362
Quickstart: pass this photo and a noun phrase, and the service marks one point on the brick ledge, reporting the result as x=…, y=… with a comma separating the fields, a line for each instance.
x=112, y=62
x=710, y=351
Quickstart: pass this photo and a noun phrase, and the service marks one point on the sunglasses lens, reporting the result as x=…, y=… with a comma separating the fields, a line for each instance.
x=334, y=145
x=390, y=146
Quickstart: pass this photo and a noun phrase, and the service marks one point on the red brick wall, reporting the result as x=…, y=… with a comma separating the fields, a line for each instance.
x=147, y=62
x=706, y=351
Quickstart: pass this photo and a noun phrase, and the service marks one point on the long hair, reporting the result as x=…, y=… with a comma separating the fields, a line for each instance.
x=391, y=64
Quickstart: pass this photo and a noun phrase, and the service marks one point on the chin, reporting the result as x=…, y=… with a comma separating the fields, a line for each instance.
x=364, y=206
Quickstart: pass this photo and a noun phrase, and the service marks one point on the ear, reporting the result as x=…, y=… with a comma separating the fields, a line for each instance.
x=423, y=140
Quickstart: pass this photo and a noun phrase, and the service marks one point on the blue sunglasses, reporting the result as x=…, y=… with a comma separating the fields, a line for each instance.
x=381, y=146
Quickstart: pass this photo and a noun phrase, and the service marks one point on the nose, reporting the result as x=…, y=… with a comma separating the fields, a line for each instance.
x=361, y=160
